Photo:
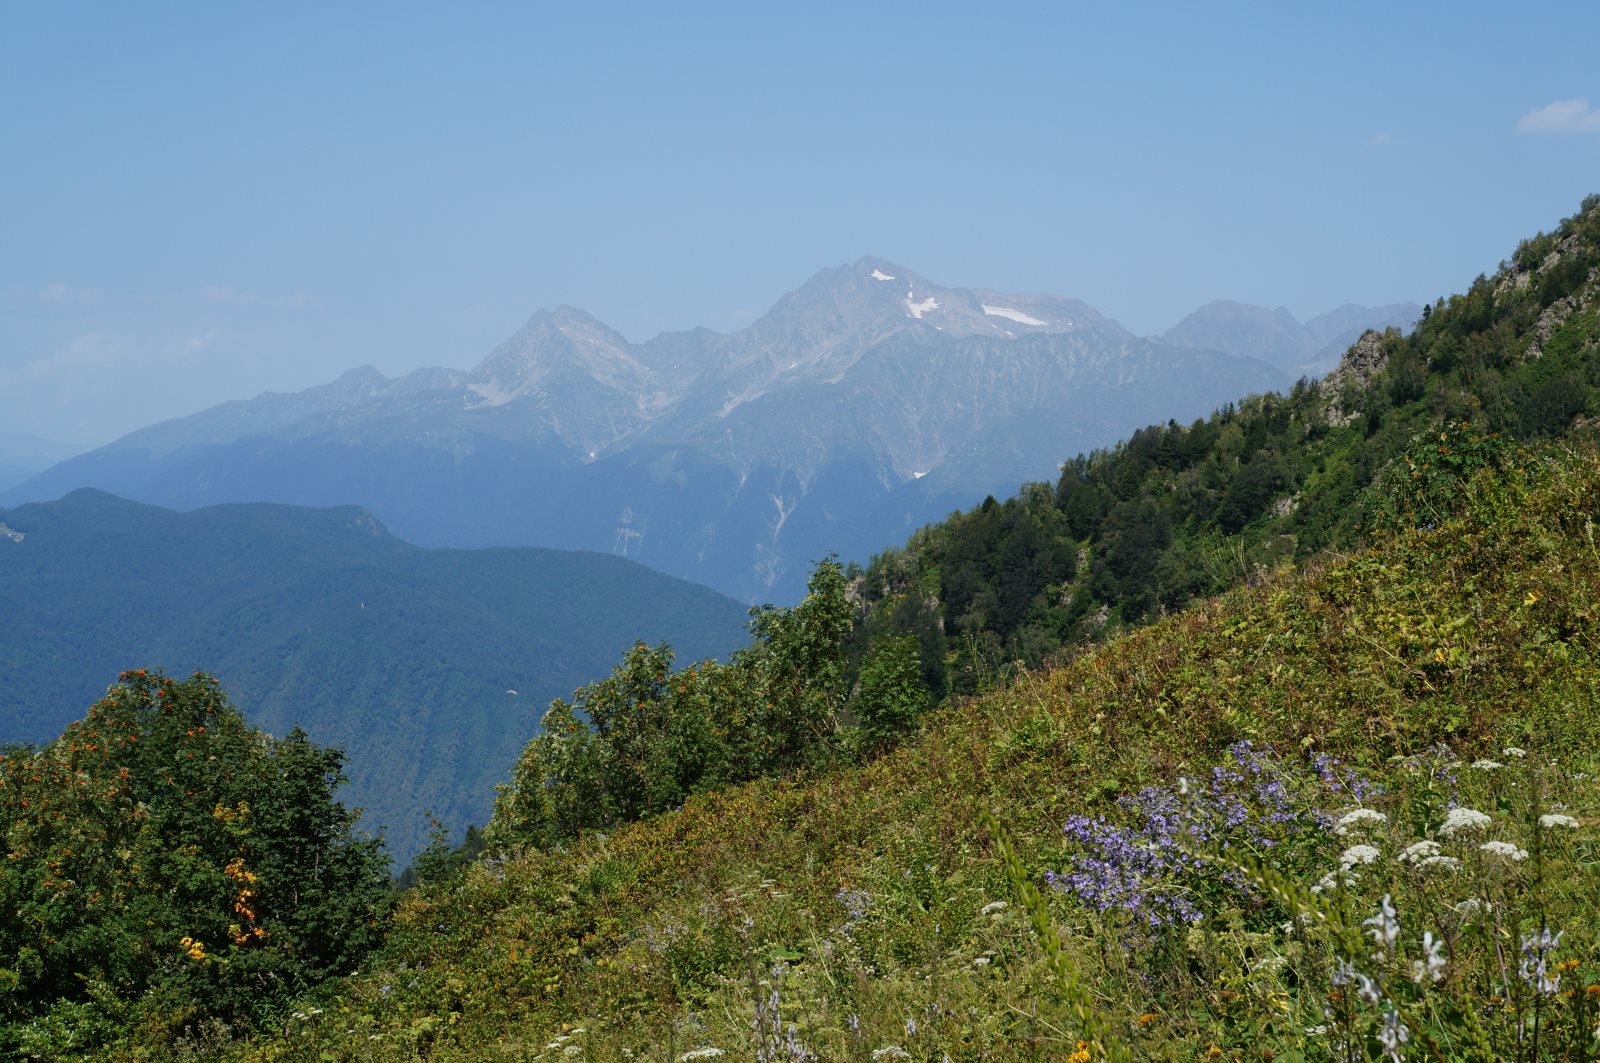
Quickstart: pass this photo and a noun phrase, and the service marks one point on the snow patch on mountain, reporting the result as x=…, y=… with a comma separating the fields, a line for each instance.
x=880, y=275
x=917, y=308
x=1014, y=315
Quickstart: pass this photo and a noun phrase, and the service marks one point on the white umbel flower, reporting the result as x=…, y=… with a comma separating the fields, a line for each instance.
x=701, y=1053
x=1333, y=880
x=1513, y=751
x=1417, y=852
x=1487, y=765
x=1556, y=819
x=1356, y=856
x=1505, y=849
x=1357, y=818
x=1461, y=819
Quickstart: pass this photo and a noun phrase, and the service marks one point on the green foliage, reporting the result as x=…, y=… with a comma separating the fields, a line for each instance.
x=870, y=906
x=165, y=862
x=1428, y=481
x=643, y=739
x=798, y=663
x=891, y=694
x=854, y=912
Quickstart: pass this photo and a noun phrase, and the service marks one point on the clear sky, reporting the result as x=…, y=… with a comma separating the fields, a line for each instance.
x=203, y=201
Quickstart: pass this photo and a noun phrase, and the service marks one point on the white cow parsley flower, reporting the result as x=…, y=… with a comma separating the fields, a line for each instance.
x=1356, y=818
x=1461, y=819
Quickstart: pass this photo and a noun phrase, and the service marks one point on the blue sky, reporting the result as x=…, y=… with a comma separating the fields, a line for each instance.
x=200, y=202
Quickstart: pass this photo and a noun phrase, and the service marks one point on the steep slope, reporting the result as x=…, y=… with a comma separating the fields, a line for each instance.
x=428, y=667
x=1342, y=721
x=868, y=907
x=862, y=405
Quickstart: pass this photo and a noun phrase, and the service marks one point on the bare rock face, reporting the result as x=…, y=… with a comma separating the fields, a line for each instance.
x=10, y=534
x=1364, y=360
x=1556, y=314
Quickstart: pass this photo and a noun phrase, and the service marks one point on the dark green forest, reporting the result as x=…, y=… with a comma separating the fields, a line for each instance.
x=405, y=658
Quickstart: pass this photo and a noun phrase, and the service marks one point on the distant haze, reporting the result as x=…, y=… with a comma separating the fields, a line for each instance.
x=862, y=405
x=203, y=203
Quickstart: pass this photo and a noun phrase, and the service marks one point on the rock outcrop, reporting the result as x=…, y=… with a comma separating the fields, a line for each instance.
x=1364, y=360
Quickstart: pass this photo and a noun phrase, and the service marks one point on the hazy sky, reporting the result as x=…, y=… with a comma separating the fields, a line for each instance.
x=201, y=202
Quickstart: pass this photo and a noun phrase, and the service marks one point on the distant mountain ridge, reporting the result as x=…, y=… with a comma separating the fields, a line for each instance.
x=428, y=667
x=1278, y=337
x=862, y=405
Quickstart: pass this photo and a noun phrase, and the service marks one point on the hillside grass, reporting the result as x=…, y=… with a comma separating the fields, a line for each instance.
x=864, y=913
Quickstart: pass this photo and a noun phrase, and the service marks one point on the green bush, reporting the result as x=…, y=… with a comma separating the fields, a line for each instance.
x=165, y=862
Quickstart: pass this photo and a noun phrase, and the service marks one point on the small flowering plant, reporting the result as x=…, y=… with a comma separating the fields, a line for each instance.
x=1436, y=908
x=1154, y=870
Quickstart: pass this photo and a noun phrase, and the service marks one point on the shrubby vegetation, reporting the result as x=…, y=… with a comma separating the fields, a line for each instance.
x=646, y=738
x=167, y=867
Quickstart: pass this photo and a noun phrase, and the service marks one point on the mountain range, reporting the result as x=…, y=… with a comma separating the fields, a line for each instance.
x=1279, y=338
x=861, y=406
x=428, y=667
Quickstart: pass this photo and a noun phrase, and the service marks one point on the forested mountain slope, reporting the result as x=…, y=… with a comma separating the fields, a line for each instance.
x=1182, y=511
x=427, y=667
x=1311, y=817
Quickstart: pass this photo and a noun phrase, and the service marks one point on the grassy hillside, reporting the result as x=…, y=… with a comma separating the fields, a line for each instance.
x=405, y=658
x=866, y=913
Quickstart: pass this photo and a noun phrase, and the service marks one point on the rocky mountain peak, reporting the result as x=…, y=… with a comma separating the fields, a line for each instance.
x=566, y=344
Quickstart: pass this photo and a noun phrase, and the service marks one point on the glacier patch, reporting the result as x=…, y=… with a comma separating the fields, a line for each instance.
x=917, y=309
x=1013, y=315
